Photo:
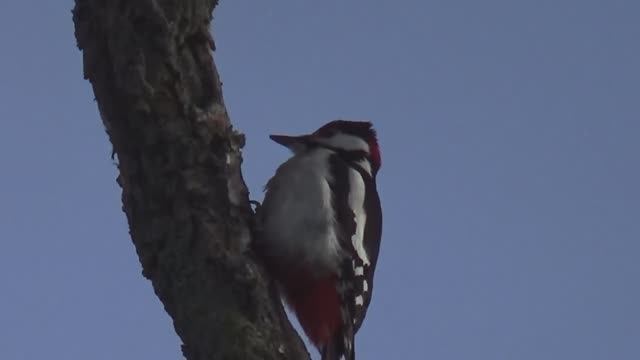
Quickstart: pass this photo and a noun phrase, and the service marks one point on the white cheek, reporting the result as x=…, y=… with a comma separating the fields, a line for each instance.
x=347, y=142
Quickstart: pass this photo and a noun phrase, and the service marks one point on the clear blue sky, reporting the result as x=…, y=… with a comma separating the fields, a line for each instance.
x=510, y=133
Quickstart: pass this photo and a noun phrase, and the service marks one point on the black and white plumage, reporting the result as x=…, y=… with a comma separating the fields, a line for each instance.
x=321, y=230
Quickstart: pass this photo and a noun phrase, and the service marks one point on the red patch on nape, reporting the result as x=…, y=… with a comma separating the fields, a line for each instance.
x=374, y=154
x=317, y=305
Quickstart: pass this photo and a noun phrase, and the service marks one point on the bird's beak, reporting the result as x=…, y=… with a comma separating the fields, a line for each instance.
x=290, y=141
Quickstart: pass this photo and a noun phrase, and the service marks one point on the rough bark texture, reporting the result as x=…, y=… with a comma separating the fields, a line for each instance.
x=151, y=67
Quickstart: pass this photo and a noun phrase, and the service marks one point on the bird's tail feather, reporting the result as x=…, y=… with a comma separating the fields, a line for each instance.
x=339, y=348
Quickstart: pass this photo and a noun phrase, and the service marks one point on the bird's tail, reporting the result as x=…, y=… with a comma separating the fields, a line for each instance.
x=341, y=347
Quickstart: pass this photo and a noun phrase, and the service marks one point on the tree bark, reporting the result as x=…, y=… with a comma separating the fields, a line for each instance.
x=151, y=67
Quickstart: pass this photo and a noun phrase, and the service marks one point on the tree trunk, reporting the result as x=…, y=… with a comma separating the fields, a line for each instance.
x=151, y=67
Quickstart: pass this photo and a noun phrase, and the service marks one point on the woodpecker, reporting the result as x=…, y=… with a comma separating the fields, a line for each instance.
x=321, y=224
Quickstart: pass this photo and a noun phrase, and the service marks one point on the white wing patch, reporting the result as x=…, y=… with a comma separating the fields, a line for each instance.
x=358, y=270
x=356, y=202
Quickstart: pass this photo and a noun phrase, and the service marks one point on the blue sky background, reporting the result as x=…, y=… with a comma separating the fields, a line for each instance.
x=510, y=137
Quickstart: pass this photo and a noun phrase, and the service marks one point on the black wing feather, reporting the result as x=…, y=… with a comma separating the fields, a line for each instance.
x=372, y=236
x=341, y=164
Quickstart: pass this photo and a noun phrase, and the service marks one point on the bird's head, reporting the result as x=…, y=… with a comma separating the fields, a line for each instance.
x=351, y=138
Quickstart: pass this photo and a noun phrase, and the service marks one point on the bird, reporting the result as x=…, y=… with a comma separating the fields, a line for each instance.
x=321, y=228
